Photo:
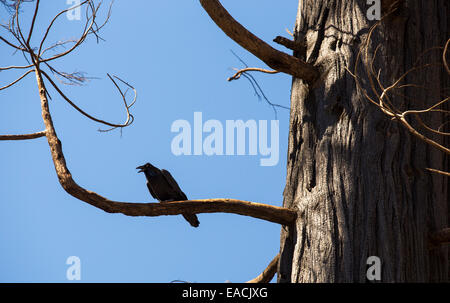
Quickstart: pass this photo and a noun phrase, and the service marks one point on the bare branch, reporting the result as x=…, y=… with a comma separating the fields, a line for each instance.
x=422, y=137
x=17, y=80
x=268, y=273
x=11, y=44
x=237, y=75
x=438, y=171
x=30, y=32
x=22, y=137
x=88, y=29
x=444, y=57
x=274, y=58
x=256, y=87
x=20, y=36
x=298, y=46
x=53, y=21
x=383, y=101
x=16, y=67
x=438, y=132
x=57, y=44
x=127, y=122
x=261, y=211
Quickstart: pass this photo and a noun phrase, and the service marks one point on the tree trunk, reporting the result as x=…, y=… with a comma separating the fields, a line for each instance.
x=357, y=178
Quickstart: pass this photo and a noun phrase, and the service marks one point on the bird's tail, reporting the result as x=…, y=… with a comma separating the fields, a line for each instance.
x=192, y=219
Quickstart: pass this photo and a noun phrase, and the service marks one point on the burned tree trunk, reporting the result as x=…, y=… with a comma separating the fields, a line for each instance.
x=356, y=177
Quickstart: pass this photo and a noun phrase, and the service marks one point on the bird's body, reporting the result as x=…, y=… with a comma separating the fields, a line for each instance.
x=164, y=188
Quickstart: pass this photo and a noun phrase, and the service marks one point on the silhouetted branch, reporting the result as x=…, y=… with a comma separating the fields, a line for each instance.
x=275, y=59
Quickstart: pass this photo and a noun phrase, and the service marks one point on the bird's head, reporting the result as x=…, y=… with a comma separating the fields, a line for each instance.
x=148, y=169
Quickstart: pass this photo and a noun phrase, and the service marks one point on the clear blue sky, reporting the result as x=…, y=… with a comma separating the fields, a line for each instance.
x=178, y=60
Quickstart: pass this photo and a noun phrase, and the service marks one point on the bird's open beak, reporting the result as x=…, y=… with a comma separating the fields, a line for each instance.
x=141, y=168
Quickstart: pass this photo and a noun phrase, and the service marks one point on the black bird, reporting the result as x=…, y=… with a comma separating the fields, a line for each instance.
x=163, y=187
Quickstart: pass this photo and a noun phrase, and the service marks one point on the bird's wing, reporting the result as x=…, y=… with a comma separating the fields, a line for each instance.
x=173, y=184
x=152, y=192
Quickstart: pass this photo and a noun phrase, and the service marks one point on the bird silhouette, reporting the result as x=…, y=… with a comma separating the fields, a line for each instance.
x=164, y=188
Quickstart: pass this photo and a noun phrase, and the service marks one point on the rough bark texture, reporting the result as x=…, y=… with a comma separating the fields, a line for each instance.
x=356, y=178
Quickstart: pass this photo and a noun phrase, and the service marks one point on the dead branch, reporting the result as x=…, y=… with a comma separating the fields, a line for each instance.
x=438, y=171
x=88, y=29
x=40, y=52
x=17, y=80
x=22, y=136
x=11, y=44
x=256, y=87
x=444, y=57
x=268, y=273
x=275, y=59
x=129, y=119
x=30, y=32
x=16, y=67
x=297, y=46
x=257, y=210
x=383, y=101
x=239, y=72
x=261, y=211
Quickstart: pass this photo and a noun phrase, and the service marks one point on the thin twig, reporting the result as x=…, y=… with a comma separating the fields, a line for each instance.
x=438, y=171
x=237, y=75
x=22, y=136
x=274, y=58
x=17, y=80
x=128, y=121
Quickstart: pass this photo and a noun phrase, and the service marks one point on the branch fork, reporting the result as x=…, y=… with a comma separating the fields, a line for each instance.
x=274, y=58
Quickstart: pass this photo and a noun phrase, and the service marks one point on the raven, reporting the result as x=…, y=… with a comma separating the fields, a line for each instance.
x=163, y=187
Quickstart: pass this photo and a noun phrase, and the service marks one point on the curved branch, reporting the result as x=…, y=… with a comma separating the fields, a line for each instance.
x=12, y=45
x=444, y=173
x=17, y=80
x=261, y=211
x=268, y=273
x=444, y=57
x=53, y=21
x=129, y=116
x=22, y=136
x=413, y=131
x=238, y=74
x=274, y=58
x=383, y=102
x=90, y=27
